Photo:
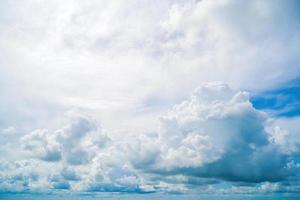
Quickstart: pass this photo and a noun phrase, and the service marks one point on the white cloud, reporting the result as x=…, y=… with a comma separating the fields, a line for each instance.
x=8, y=131
x=78, y=54
x=286, y=135
x=73, y=143
x=216, y=135
x=43, y=145
x=127, y=63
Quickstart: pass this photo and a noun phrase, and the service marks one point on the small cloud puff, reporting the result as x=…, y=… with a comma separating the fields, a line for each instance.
x=8, y=131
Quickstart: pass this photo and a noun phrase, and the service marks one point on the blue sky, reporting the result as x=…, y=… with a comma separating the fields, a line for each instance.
x=150, y=96
x=282, y=101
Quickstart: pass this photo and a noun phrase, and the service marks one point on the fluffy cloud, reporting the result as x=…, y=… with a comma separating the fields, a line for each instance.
x=217, y=134
x=82, y=156
x=214, y=136
x=74, y=143
x=286, y=135
x=42, y=145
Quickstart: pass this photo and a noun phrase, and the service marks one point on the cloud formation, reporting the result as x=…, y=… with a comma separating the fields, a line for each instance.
x=214, y=136
x=78, y=54
x=71, y=143
x=133, y=64
x=217, y=134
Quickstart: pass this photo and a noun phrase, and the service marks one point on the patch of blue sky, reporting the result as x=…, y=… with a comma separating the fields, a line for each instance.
x=283, y=101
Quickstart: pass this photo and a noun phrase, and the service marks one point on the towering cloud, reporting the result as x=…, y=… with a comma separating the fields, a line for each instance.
x=216, y=134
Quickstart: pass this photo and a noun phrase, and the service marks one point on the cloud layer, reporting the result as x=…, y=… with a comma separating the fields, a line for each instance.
x=78, y=54
x=214, y=136
x=100, y=96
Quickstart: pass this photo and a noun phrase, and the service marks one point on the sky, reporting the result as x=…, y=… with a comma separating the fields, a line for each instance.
x=148, y=96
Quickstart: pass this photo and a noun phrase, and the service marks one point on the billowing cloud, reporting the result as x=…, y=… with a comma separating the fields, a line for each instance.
x=217, y=134
x=43, y=145
x=70, y=143
x=214, y=136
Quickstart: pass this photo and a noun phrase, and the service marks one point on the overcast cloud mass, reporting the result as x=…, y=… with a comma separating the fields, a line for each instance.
x=150, y=96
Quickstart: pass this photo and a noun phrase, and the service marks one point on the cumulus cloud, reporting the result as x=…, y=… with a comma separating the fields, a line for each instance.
x=70, y=143
x=217, y=134
x=82, y=156
x=286, y=135
x=42, y=144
